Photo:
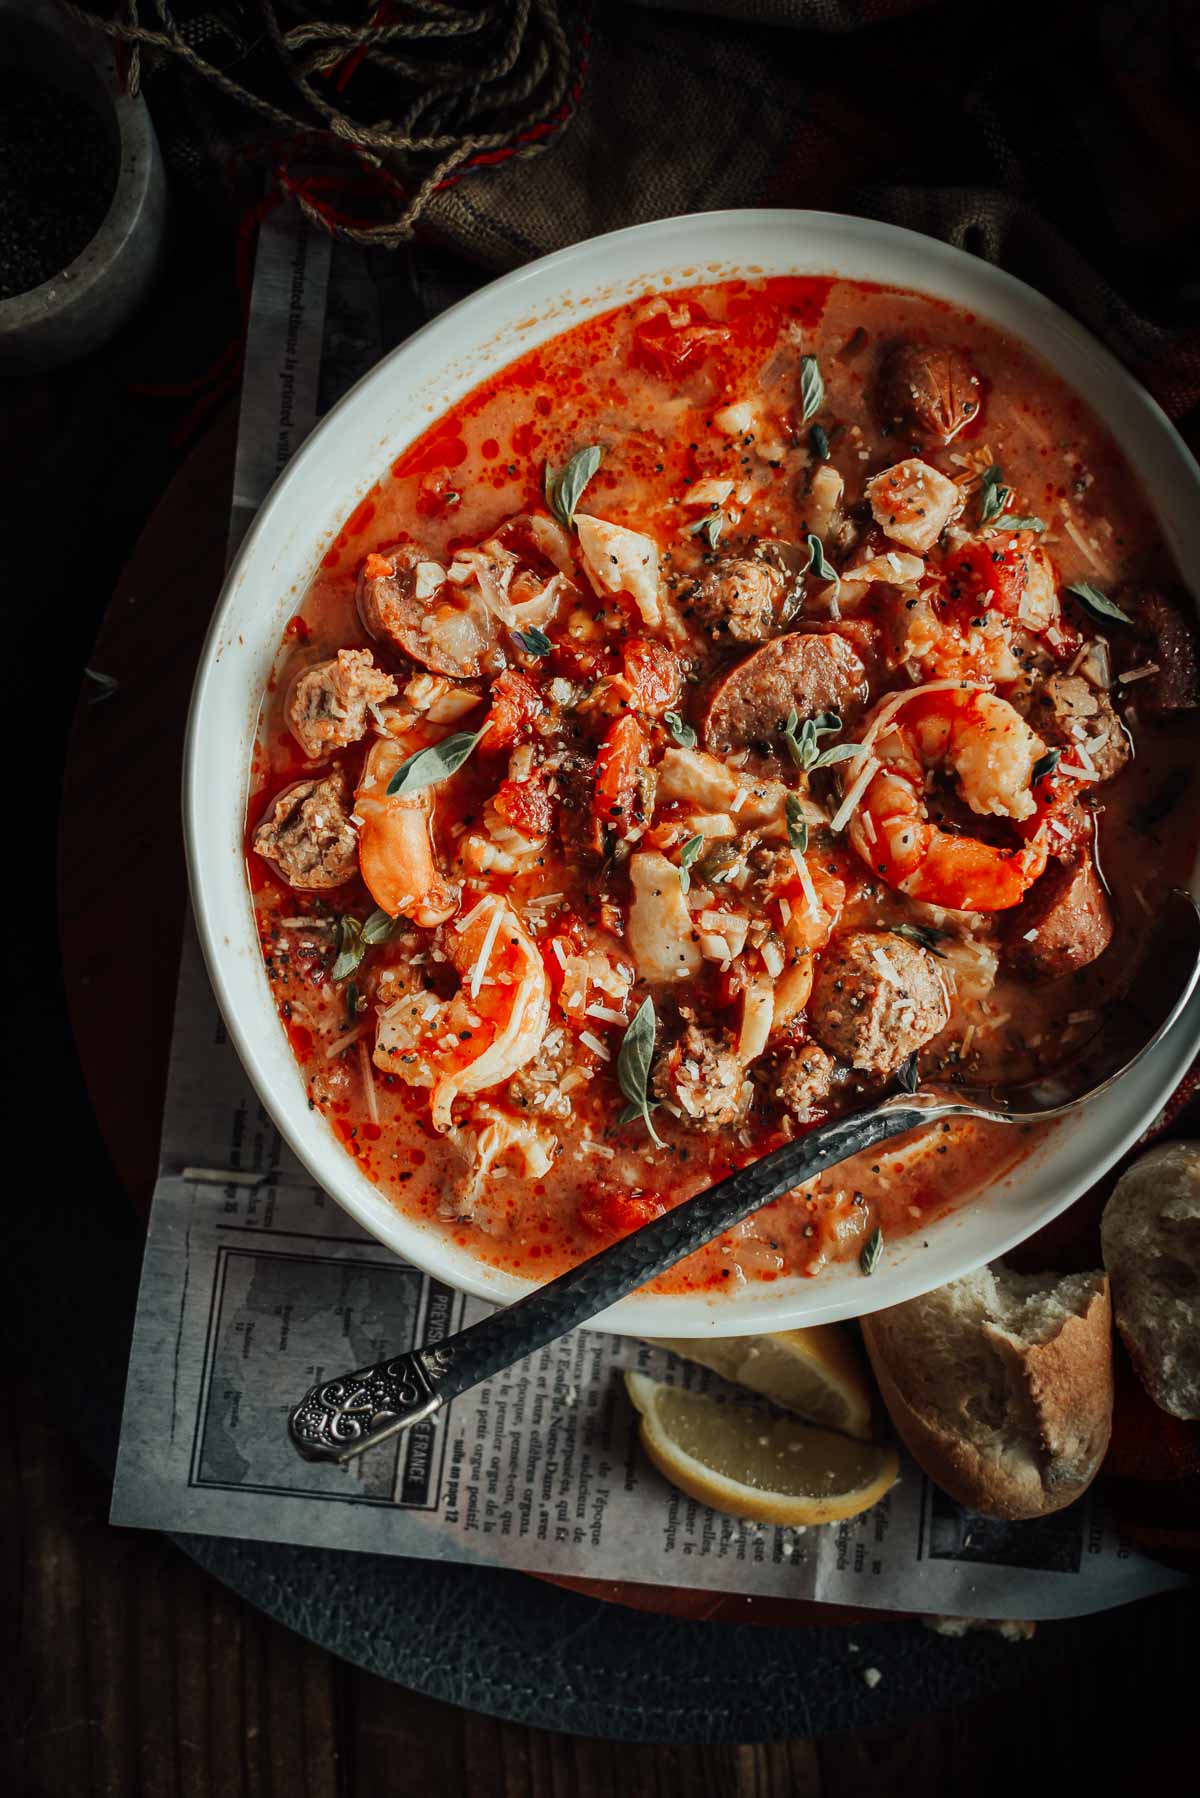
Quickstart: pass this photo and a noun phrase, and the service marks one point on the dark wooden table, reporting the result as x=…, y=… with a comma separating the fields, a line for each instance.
x=135, y=1673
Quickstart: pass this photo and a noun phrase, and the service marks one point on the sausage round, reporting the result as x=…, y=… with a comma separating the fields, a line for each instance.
x=307, y=836
x=457, y=638
x=806, y=672
x=1063, y=924
x=875, y=999
x=736, y=598
x=927, y=391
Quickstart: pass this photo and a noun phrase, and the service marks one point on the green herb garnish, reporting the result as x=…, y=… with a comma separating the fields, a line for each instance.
x=1045, y=764
x=633, y=1068
x=1098, y=605
x=534, y=642
x=812, y=388
x=872, y=1249
x=564, y=487
x=681, y=730
x=922, y=936
x=819, y=565
x=353, y=941
x=687, y=855
x=803, y=739
x=818, y=438
x=1013, y=522
x=908, y=1075
x=428, y=766
x=993, y=495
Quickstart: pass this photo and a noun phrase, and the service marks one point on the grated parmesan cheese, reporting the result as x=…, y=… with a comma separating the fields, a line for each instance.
x=887, y=967
x=368, y=1080
x=861, y=782
x=605, y=1014
x=1142, y=673
x=593, y=1042
x=485, y=951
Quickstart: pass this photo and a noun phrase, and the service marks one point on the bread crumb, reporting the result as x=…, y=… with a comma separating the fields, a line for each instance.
x=1011, y=1629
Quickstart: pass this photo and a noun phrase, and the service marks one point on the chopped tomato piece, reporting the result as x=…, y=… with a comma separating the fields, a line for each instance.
x=654, y=675
x=609, y=1212
x=667, y=349
x=624, y=756
x=996, y=572
x=526, y=804
x=516, y=702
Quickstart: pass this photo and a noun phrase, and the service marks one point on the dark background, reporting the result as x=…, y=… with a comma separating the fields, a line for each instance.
x=130, y=1669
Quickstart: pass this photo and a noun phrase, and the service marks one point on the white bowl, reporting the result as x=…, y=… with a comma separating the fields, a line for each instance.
x=305, y=510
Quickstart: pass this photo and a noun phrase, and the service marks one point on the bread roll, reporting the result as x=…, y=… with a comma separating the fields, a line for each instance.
x=1150, y=1238
x=1000, y=1385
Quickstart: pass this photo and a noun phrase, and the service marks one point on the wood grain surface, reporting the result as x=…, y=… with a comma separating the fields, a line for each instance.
x=132, y=1671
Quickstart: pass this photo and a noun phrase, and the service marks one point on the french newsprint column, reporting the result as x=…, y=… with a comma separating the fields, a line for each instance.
x=283, y=359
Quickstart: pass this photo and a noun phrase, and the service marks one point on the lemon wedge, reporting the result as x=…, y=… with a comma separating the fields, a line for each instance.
x=814, y=1372
x=753, y=1464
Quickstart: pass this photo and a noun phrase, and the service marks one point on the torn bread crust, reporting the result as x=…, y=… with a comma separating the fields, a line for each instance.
x=1000, y=1386
x=1150, y=1239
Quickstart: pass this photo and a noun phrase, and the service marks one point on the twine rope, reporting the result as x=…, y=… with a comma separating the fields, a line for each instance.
x=497, y=78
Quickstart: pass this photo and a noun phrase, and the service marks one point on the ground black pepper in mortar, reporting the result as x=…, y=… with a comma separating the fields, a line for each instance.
x=58, y=170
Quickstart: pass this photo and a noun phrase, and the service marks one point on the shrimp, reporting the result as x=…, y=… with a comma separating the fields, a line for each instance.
x=395, y=849
x=492, y=1026
x=992, y=751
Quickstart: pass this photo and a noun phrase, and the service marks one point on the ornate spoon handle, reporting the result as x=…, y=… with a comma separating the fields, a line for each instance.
x=340, y=1418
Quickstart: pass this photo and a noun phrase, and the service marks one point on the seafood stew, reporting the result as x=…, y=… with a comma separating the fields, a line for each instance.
x=742, y=701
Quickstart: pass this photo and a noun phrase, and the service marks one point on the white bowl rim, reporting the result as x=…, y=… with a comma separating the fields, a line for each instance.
x=907, y=1270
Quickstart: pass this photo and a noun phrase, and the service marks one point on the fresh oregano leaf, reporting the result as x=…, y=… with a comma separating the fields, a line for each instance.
x=908, y=1076
x=633, y=1065
x=922, y=935
x=993, y=495
x=812, y=388
x=564, y=487
x=872, y=1249
x=1021, y=522
x=819, y=565
x=534, y=641
x=355, y=938
x=1098, y=605
x=797, y=824
x=818, y=437
x=840, y=752
x=687, y=855
x=681, y=730
x=1045, y=764
x=803, y=740
x=429, y=766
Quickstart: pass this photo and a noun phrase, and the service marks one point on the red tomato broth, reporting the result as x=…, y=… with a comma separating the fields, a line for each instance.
x=484, y=463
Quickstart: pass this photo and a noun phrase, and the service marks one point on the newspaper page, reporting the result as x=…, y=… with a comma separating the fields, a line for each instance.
x=256, y=1284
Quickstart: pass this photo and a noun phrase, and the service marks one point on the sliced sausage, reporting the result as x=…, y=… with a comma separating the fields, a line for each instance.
x=876, y=998
x=703, y=1078
x=307, y=835
x=1063, y=924
x=405, y=600
x=326, y=706
x=1068, y=711
x=807, y=672
x=927, y=392
x=803, y=1081
x=737, y=598
x=1165, y=637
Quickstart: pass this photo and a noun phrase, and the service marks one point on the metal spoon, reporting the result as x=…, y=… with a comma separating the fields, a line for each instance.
x=341, y=1418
